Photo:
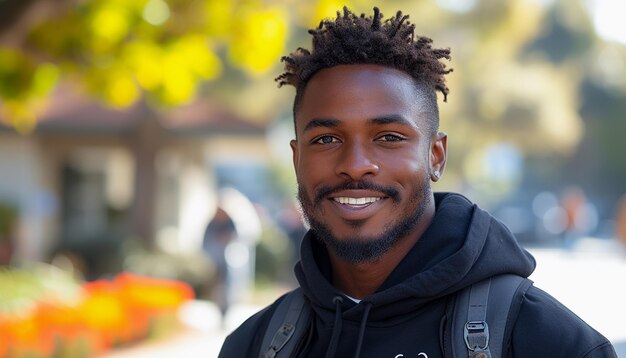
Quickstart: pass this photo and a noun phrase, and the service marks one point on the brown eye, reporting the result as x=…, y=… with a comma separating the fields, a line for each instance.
x=390, y=138
x=326, y=139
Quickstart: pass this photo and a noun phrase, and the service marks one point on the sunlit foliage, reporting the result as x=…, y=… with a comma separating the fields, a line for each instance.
x=122, y=51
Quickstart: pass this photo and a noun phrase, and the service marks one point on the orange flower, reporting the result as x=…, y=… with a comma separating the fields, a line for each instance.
x=63, y=324
x=4, y=336
x=158, y=295
x=107, y=314
x=103, y=312
x=25, y=336
x=153, y=302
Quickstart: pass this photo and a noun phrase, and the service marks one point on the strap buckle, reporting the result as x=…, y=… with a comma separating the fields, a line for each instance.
x=476, y=335
x=280, y=339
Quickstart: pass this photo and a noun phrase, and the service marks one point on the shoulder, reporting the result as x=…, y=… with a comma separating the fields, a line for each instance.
x=245, y=341
x=546, y=328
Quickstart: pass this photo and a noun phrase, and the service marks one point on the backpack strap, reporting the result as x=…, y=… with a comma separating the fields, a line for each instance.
x=287, y=326
x=477, y=316
x=476, y=330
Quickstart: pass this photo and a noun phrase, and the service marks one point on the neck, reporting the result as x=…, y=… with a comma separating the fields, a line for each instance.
x=360, y=280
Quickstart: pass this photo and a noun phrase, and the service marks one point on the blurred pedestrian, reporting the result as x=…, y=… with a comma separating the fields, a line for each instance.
x=581, y=216
x=620, y=220
x=219, y=233
x=290, y=221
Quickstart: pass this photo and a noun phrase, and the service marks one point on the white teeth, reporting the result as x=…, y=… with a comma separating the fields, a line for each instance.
x=356, y=201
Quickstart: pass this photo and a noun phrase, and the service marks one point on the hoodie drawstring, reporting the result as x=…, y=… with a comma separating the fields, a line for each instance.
x=334, y=339
x=337, y=326
x=359, y=343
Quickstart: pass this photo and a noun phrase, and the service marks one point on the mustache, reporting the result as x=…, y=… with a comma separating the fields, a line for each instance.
x=327, y=190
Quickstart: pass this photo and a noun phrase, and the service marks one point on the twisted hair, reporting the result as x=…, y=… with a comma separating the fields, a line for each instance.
x=352, y=39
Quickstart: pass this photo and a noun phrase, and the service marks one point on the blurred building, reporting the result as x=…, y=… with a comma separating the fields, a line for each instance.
x=90, y=177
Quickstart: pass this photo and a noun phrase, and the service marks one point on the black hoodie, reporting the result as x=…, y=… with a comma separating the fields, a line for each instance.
x=404, y=317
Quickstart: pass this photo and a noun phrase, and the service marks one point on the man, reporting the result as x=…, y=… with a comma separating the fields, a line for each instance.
x=385, y=254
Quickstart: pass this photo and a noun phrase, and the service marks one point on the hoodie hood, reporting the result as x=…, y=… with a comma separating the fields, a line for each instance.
x=463, y=245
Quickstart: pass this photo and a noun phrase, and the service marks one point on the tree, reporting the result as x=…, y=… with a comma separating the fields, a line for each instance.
x=125, y=50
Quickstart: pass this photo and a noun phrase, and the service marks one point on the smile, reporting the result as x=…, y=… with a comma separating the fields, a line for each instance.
x=355, y=207
x=356, y=201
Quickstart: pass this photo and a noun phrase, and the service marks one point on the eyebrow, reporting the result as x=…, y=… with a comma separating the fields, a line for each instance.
x=391, y=119
x=321, y=122
x=382, y=120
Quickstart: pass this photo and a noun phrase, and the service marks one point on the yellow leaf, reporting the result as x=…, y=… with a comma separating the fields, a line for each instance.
x=45, y=79
x=219, y=17
x=109, y=25
x=120, y=90
x=194, y=52
x=145, y=61
x=260, y=40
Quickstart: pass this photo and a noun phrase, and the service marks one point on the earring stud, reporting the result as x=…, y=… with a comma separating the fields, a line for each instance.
x=436, y=174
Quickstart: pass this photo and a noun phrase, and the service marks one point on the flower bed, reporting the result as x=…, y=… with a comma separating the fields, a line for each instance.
x=46, y=314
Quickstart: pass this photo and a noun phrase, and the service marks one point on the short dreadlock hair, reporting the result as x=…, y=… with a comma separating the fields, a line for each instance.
x=352, y=39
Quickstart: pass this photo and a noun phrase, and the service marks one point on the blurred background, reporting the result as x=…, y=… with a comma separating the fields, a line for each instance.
x=148, y=137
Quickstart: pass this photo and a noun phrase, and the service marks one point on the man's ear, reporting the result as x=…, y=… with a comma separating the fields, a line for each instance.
x=438, y=155
x=294, y=152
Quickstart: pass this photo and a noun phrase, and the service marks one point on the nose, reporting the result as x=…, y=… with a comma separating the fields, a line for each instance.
x=356, y=162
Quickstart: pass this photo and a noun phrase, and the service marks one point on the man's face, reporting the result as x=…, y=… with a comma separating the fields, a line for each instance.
x=363, y=158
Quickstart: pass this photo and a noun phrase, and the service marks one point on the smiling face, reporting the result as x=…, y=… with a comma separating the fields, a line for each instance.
x=364, y=156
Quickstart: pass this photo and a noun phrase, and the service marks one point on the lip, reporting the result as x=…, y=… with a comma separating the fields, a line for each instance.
x=354, y=212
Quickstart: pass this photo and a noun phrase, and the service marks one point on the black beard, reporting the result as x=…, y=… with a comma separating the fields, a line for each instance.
x=362, y=249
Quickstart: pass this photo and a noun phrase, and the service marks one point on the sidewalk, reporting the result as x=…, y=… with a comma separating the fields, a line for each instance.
x=202, y=335
x=591, y=281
